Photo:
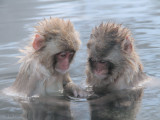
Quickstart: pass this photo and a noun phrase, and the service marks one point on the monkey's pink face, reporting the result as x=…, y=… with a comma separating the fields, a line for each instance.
x=63, y=61
x=100, y=68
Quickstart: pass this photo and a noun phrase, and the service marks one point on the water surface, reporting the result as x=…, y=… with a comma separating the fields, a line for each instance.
x=16, y=25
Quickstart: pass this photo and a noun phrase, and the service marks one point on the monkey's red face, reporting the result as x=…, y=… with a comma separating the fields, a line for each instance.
x=63, y=61
x=101, y=68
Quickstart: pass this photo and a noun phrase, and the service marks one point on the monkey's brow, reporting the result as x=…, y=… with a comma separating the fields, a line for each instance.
x=66, y=51
x=97, y=60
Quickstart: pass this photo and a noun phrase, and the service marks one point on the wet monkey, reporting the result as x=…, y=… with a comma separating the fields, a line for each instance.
x=113, y=63
x=44, y=68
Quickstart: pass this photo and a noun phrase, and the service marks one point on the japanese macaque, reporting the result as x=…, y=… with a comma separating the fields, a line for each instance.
x=44, y=69
x=113, y=63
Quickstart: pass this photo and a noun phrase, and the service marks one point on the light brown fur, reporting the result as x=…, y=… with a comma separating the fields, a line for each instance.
x=37, y=74
x=109, y=41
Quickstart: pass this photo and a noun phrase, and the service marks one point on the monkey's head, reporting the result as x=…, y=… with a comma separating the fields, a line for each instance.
x=55, y=43
x=111, y=53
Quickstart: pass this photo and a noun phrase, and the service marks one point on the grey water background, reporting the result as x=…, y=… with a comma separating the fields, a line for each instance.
x=17, y=18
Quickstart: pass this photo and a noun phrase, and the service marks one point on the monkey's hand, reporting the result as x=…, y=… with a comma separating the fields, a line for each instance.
x=74, y=90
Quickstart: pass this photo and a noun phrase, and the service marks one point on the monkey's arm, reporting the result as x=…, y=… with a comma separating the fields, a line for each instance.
x=25, y=83
x=72, y=89
x=35, y=85
x=120, y=96
x=32, y=87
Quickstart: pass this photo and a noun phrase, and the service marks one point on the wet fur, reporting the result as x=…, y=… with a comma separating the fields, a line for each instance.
x=109, y=41
x=37, y=67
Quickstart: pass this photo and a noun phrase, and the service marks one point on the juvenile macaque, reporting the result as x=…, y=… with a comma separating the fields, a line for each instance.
x=44, y=69
x=113, y=63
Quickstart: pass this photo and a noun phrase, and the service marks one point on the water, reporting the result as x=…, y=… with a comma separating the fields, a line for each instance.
x=16, y=25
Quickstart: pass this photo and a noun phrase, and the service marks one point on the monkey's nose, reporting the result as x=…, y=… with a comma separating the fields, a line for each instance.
x=65, y=67
x=98, y=71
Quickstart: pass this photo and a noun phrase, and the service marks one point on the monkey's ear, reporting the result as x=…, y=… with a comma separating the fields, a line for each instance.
x=88, y=45
x=127, y=45
x=38, y=42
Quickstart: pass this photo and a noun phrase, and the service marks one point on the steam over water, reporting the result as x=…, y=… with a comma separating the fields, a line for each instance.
x=16, y=28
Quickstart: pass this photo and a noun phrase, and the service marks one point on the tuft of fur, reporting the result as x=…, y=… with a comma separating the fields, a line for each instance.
x=108, y=41
x=59, y=28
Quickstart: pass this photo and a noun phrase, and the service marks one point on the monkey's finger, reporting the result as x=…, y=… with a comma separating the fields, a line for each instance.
x=75, y=93
x=82, y=94
x=85, y=94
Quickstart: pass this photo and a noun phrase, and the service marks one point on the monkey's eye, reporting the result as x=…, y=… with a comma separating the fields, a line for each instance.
x=71, y=53
x=63, y=54
x=92, y=60
x=102, y=61
x=49, y=38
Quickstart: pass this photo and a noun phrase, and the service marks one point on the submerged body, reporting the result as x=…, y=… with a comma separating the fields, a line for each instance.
x=118, y=105
x=46, y=108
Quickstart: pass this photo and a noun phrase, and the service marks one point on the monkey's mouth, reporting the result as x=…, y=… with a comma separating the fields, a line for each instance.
x=100, y=74
x=62, y=71
x=64, y=67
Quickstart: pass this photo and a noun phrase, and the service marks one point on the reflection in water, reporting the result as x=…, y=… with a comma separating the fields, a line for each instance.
x=119, y=105
x=46, y=108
